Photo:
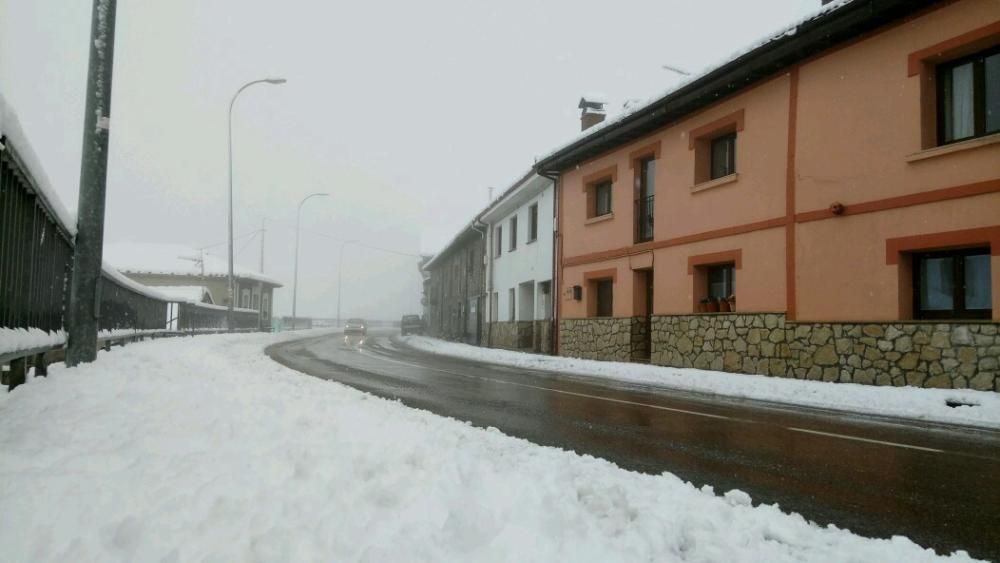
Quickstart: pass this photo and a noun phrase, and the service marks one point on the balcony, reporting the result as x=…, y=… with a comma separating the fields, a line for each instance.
x=644, y=219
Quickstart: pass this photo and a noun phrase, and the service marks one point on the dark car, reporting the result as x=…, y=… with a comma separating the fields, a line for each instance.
x=355, y=327
x=411, y=324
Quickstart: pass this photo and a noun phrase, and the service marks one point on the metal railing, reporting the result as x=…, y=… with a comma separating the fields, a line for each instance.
x=644, y=219
x=36, y=251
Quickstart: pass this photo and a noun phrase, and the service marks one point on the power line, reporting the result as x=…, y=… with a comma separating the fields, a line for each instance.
x=362, y=244
x=249, y=240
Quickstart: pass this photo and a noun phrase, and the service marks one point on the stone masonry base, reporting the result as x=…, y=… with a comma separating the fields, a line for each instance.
x=920, y=354
x=618, y=339
x=532, y=336
x=941, y=355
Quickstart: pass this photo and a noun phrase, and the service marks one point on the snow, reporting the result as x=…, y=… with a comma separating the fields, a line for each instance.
x=188, y=293
x=204, y=449
x=10, y=128
x=633, y=106
x=906, y=402
x=139, y=258
x=17, y=339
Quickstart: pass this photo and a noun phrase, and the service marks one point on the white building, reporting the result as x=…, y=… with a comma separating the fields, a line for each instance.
x=519, y=270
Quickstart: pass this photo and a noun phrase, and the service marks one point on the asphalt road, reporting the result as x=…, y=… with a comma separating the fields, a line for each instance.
x=937, y=485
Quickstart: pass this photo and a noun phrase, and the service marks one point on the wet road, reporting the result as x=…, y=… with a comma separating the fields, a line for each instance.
x=937, y=485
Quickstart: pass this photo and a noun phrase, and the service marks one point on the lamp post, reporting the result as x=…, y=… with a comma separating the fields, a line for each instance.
x=295, y=282
x=232, y=297
x=340, y=273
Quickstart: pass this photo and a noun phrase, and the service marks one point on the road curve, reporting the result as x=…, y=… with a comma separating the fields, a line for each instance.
x=937, y=485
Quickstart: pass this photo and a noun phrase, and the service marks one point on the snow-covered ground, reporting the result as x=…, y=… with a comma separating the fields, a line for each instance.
x=907, y=402
x=204, y=449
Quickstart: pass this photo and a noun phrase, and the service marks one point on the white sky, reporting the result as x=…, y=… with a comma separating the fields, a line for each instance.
x=404, y=111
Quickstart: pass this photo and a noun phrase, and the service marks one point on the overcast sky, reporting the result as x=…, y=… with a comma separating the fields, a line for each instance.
x=405, y=112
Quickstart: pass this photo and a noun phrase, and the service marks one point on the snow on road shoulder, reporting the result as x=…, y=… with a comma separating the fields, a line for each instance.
x=979, y=408
x=205, y=449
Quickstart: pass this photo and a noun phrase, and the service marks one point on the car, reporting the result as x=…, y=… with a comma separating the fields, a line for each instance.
x=411, y=324
x=356, y=327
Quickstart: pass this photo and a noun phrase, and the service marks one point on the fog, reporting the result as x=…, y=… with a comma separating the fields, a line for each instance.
x=404, y=112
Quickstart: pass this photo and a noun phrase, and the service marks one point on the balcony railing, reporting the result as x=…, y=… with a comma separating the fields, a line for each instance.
x=644, y=219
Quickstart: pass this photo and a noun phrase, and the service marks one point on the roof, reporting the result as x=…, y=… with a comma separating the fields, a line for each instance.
x=832, y=24
x=195, y=293
x=513, y=197
x=175, y=260
x=460, y=237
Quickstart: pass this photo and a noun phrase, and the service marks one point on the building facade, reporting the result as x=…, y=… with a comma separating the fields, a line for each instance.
x=519, y=267
x=185, y=273
x=455, y=288
x=824, y=206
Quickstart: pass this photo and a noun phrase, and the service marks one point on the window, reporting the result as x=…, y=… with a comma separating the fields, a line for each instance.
x=533, y=223
x=646, y=188
x=952, y=284
x=602, y=199
x=721, y=281
x=511, y=296
x=498, y=235
x=604, y=290
x=264, y=308
x=969, y=97
x=254, y=301
x=245, y=299
x=723, y=156
x=513, y=233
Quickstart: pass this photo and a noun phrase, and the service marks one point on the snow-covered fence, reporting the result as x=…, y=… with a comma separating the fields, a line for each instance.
x=36, y=252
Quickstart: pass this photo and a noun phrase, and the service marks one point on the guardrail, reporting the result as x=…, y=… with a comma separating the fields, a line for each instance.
x=36, y=252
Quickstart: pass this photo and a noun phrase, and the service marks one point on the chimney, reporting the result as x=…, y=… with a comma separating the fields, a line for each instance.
x=591, y=111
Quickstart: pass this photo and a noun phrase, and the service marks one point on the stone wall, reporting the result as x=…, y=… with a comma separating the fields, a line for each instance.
x=503, y=335
x=531, y=336
x=599, y=338
x=920, y=354
x=543, y=337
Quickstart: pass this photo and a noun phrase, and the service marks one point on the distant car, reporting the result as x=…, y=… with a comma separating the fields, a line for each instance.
x=411, y=324
x=356, y=327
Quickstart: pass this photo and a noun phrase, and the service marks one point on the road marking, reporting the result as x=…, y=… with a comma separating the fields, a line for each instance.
x=598, y=397
x=859, y=439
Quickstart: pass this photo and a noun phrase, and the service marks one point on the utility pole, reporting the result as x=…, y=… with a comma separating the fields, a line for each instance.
x=263, y=231
x=85, y=284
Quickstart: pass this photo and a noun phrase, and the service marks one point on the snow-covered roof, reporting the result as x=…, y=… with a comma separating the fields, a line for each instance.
x=15, y=138
x=664, y=96
x=520, y=192
x=177, y=260
x=193, y=293
x=475, y=224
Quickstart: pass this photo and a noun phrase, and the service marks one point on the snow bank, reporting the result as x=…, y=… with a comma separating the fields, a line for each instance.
x=204, y=449
x=17, y=339
x=908, y=402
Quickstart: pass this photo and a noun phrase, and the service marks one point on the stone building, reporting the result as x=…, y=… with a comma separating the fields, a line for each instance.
x=455, y=289
x=825, y=205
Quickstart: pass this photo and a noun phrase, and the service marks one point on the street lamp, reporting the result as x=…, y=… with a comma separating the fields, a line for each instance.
x=295, y=283
x=230, y=317
x=340, y=273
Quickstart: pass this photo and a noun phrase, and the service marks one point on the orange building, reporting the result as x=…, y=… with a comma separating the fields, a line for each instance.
x=824, y=206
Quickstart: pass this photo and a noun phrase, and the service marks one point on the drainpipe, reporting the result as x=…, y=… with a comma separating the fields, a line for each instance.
x=486, y=276
x=556, y=254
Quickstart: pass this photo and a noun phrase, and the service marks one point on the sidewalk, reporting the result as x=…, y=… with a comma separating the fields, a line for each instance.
x=205, y=449
x=977, y=408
